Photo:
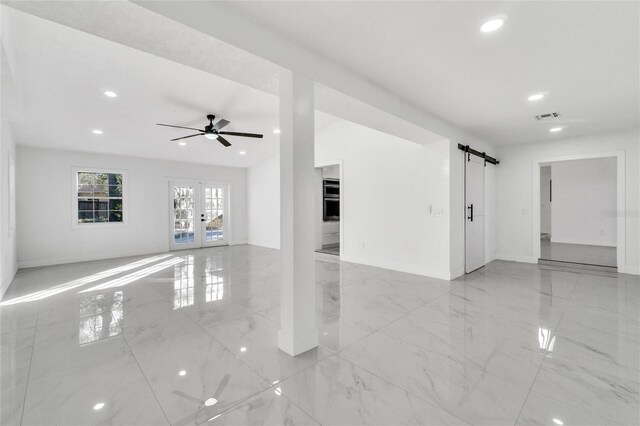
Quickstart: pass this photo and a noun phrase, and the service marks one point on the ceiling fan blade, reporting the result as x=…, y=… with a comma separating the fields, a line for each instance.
x=180, y=127
x=223, y=141
x=223, y=384
x=190, y=136
x=246, y=135
x=220, y=124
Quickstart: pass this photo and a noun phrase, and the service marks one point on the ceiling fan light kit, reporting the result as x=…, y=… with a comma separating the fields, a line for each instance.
x=212, y=131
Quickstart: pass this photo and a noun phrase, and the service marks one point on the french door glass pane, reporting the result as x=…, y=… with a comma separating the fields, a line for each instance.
x=214, y=209
x=183, y=210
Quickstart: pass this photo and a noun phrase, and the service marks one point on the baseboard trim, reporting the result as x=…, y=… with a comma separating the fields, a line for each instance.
x=631, y=270
x=238, y=243
x=39, y=263
x=584, y=242
x=516, y=258
x=265, y=245
x=298, y=345
x=441, y=275
x=456, y=272
x=4, y=285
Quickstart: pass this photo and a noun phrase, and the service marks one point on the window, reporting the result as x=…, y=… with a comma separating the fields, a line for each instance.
x=99, y=197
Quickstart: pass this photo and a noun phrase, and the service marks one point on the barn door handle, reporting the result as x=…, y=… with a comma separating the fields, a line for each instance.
x=471, y=212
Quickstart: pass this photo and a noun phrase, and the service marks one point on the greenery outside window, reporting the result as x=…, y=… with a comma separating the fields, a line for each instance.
x=99, y=197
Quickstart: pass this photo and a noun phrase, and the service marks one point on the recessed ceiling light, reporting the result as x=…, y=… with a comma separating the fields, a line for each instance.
x=111, y=94
x=536, y=97
x=555, y=129
x=182, y=373
x=97, y=132
x=243, y=349
x=558, y=422
x=211, y=401
x=182, y=143
x=278, y=391
x=98, y=406
x=242, y=152
x=276, y=131
x=493, y=24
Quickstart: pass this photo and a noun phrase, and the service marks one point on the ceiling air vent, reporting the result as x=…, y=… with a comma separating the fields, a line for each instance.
x=547, y=116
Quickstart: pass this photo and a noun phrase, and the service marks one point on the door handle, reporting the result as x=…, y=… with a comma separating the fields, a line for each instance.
x=471, y=209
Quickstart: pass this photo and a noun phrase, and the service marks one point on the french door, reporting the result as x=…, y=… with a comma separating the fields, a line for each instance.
x=474, y=223
x=198, y=214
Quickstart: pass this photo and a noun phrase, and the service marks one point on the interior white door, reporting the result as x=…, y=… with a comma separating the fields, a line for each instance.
x=198, y=214
x=474, y=222
x=213, y=220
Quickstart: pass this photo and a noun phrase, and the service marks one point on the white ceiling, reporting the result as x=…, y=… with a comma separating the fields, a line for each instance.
x=432, y=54
x=54, y=77
x=62, y=73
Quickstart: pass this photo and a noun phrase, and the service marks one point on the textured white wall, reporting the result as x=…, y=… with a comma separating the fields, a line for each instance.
x=44, y=202
x=263, y=203
x=8, y=240
x=387, y=186
x=584, y=194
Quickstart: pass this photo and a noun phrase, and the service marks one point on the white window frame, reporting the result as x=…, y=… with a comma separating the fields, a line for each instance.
x=74, y=198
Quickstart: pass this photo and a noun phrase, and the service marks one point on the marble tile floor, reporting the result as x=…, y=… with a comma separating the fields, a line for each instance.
x=578, y=253
x=190, y=338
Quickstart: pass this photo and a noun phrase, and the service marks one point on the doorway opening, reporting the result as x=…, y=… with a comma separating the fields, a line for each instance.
x=328, y=210
x=198, y=214
x=578, y=224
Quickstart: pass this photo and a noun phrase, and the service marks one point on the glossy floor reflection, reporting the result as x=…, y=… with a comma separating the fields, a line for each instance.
x=190, y=338
x=578, y=253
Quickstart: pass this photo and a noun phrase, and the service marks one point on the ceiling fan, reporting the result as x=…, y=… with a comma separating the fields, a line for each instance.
x=212, y=131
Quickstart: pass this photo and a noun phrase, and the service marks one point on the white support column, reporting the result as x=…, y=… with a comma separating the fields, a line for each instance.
x=298, y=331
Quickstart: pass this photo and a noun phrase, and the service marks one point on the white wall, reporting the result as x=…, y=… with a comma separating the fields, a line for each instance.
x=331, y=172
x=516, y=187
x=44, y=206
x=263, y=203
x=8, y=245
x=414, y=176
x=584, y=194
x=387, y=185
x=9, y=94
x=545, y=204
